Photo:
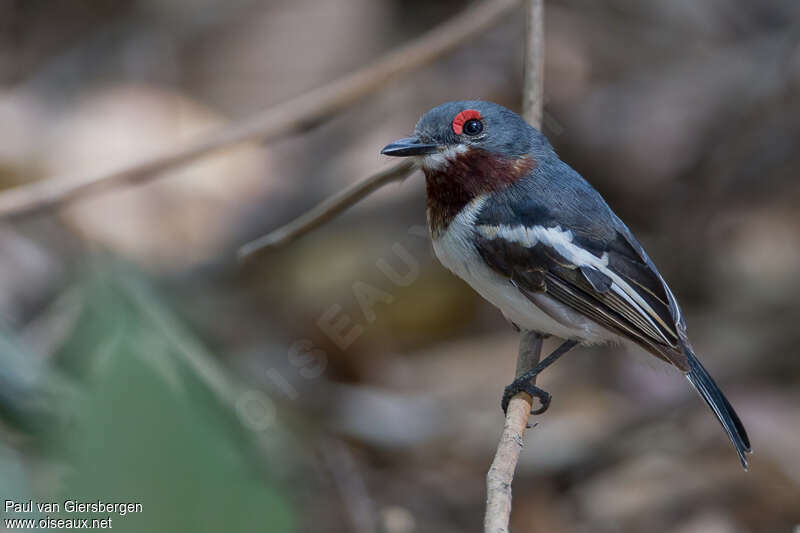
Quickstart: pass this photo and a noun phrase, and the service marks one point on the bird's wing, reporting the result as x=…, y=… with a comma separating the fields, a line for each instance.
x=610, y=280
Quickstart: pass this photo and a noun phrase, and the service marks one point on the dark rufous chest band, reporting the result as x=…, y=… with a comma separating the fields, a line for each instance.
x=467, y=176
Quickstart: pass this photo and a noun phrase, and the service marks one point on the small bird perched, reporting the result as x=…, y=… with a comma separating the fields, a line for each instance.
x=529, y=234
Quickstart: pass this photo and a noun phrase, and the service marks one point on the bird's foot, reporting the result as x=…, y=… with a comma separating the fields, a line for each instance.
x=523, y=384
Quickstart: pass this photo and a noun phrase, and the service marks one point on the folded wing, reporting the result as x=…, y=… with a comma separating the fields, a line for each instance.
x=610, y=281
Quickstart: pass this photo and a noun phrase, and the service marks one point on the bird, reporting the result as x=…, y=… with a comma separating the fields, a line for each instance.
x=536, y=240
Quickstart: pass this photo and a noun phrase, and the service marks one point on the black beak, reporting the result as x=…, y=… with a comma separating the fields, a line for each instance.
x=409, y=146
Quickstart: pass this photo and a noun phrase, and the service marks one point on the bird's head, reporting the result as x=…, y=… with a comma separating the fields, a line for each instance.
x=463, y=130
x=468, y=150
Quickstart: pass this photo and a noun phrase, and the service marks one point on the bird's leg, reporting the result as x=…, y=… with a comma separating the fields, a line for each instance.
x=524, y=383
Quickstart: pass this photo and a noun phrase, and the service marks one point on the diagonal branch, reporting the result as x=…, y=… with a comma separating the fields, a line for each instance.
x=327, y=209
x=292, y=116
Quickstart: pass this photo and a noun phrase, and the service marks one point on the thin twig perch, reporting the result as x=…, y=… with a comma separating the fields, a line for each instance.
x=501, y=473
x=277, y=121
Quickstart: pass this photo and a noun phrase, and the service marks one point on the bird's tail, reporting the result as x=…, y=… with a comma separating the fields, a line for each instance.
x=702, y=382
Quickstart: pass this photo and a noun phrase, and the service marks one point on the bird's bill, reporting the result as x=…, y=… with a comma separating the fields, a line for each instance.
x=409, y=146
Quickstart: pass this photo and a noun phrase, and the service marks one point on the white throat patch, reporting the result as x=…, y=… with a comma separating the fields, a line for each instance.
x=442, y=158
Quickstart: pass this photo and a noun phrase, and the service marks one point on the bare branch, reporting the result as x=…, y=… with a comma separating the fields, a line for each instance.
x=501, y=473
x=533, y=94
x=271, y=123
x=328, y=209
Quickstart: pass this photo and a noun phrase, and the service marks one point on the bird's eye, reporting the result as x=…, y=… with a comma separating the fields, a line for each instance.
x=467, y=121
x=473, y=127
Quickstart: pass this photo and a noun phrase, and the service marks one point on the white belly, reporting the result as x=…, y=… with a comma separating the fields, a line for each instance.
x=455, y=251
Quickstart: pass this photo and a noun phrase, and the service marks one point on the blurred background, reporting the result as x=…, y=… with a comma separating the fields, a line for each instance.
x=348, y=382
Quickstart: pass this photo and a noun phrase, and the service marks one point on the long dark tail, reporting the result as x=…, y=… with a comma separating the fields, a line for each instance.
x=704, y=384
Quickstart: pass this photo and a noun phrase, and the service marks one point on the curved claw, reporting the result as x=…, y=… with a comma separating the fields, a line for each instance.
x=526, y=386
x=544, y=398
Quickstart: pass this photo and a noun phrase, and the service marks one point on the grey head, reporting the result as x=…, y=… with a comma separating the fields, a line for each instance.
x=470, y=124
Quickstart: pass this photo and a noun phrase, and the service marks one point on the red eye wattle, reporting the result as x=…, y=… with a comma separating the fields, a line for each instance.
x=462, y=117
